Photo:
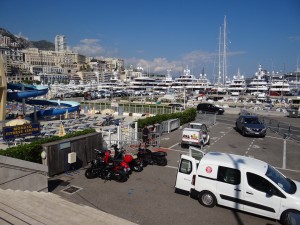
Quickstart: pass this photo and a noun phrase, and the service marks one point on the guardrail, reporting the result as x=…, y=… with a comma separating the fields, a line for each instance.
x=129, y=108
x=170, y=125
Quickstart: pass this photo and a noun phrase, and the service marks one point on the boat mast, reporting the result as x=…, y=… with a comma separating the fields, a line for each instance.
x=224, y=53
x=219, y=66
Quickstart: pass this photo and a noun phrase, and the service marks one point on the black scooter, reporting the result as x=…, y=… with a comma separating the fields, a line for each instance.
x=152, y=158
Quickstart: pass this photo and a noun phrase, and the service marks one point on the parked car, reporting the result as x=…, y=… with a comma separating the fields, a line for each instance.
x=176, y=105
x=210, y=108
x=250, y=125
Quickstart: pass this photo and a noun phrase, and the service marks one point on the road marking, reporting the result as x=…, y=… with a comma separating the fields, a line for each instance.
x=174, y=145
x=172, y=167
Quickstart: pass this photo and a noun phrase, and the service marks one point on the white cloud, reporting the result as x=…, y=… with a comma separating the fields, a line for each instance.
x=161, y=65
x=295, y=38
x=195, y=60
x=89, y=47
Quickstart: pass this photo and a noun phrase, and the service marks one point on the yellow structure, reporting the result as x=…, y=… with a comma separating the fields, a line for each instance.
x=61, y=131
x=3, y=90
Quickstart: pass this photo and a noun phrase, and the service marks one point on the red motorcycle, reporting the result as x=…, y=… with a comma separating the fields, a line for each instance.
x=135, y=164
x=107, y=168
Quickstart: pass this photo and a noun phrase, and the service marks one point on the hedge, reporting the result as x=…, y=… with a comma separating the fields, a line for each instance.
x=32, y=152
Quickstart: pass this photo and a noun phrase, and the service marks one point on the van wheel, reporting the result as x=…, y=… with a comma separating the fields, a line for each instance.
x=207, y=199
x=286, y=218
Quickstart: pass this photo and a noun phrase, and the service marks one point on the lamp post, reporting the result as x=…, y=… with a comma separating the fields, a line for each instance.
x=184, y=88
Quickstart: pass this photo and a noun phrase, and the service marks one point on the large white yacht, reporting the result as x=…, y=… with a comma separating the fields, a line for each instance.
x=189, y=82
x=279, y=86
x=165, y=83
x=258, y=83
x=237, y=85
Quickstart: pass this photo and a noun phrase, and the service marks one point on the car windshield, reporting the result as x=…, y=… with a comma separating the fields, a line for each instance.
x=251, y=120
x=284, y=183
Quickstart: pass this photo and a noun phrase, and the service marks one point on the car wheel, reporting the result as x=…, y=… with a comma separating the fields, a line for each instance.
x=236, y=127
x=286, y=217
x=207, y=199
x=243, y=132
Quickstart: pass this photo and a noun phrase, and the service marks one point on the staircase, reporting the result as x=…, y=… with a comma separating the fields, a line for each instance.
x=25, y=207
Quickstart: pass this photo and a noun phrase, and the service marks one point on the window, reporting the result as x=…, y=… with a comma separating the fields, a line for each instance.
x=261, y=184
x=185, y=166
x=229, y=175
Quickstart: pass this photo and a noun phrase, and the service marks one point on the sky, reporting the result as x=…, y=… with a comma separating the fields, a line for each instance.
x=168, y=34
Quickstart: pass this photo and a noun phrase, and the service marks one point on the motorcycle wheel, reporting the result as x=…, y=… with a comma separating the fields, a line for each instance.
x=89, y=173
x=120, y=176
x=162, y=161
x=137, y=165
x=137, y=168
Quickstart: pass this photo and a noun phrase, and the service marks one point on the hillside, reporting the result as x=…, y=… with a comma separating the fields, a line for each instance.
x=24, y=43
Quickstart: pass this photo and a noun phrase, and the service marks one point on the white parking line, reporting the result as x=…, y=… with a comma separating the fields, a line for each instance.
x=174, y=145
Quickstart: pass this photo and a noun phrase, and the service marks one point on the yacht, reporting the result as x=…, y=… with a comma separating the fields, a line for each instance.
x=258, y=84
x=279, y=86
x=237, y=85
x=165, y=83
x=188, y=81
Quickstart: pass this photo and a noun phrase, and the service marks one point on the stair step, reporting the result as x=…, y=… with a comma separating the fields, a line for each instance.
x=91, y=212
x=49, y=208
x=11, y=216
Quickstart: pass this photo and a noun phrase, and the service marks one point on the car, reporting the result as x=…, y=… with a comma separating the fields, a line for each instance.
x=250, y=125
x=176, y=105
x=210, y=108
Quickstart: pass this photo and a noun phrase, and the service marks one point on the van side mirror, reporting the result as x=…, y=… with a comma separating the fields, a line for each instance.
x=271, y=192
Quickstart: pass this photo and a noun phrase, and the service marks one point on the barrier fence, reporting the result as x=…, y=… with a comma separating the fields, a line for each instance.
x=130, y=108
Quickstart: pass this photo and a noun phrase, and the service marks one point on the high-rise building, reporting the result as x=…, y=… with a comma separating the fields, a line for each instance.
x=60, y=43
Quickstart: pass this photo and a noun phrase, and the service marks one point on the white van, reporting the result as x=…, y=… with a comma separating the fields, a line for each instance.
x=196, y=134
x=238, y=182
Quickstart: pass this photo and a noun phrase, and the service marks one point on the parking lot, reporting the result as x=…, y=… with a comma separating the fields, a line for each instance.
x=148, y=197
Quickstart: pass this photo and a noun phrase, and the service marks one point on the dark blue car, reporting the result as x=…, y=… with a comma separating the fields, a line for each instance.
x=250, y=125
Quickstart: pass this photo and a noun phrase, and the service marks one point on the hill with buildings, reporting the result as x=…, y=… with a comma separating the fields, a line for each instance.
x=21, y=42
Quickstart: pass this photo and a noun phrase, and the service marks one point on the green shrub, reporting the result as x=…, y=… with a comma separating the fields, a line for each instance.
x=32, y=152
x=184, y=117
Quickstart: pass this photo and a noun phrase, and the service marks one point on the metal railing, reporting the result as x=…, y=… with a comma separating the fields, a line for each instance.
x=129, y=108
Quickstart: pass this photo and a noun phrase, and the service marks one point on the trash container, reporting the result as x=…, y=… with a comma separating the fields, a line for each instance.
x=293, y=113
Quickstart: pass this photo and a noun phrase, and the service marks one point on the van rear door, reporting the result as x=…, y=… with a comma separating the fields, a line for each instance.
x=187, y=169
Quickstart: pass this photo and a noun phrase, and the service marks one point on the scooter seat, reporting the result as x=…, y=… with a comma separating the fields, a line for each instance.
x=160, y=153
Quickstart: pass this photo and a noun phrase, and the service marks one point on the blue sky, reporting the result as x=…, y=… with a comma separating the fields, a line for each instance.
x=167, y=34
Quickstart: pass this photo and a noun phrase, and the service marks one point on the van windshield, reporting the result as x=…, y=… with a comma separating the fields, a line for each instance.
x=284, y=183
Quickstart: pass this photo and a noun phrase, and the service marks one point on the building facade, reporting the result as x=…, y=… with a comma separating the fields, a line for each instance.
x=60, y=43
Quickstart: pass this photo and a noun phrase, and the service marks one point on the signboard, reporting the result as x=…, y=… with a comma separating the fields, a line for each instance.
x=64, y=145
x=21, y=131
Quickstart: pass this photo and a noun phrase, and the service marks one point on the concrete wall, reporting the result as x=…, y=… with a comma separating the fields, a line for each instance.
x=22, y=175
